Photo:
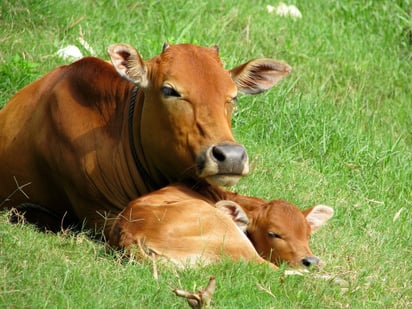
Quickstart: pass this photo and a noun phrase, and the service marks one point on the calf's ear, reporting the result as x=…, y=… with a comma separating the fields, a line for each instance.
x=128, y=63
x=317, y=216
x=258, y=75
x=236, y=212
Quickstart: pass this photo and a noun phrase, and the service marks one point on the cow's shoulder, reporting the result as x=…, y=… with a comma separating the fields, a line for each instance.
x=89, y=67
x=96, y=73
x=92, y=82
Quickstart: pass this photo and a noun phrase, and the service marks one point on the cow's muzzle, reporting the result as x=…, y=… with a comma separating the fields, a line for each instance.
x=223, y=164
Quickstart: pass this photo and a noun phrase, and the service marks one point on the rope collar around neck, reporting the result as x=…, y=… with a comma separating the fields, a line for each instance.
x=142, y=171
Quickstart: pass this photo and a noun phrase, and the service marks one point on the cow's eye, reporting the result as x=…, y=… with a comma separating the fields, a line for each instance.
x=274, y=235
x=170, y=92
x=234, y=100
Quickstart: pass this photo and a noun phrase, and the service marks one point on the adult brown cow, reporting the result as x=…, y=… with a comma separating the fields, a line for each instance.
x=187, y=227
x=87, y=143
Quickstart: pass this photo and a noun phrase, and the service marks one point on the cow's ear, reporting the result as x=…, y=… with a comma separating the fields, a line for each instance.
x=317, y=216
x=258, y=75
x=236, y=212
x=128, y=63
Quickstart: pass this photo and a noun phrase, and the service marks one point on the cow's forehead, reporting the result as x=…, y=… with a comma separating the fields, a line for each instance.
x=190, y=55
x=192, y=65
x=283, y=209
x=284, y=215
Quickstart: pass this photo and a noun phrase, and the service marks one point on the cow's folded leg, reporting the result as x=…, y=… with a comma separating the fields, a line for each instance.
x=42, y=217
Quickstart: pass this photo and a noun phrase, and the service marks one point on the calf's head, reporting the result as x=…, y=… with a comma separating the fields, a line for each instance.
x=185, y=125
x=280, y=232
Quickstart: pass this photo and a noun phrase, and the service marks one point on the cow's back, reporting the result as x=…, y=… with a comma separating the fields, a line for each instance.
x=50, y=128
x=23, y=122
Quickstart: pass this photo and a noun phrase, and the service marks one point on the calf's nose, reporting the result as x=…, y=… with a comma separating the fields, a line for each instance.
x=310, y=261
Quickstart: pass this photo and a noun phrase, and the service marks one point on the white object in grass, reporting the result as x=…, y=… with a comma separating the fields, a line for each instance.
x=285, y=10
x=70, y=52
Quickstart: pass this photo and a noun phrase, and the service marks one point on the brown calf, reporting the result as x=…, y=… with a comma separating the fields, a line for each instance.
x=280, y=232
x=179, y=223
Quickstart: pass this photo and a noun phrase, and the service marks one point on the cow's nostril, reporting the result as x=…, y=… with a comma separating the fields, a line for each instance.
x=310, y=261
x=227, y=161
x=218, y=153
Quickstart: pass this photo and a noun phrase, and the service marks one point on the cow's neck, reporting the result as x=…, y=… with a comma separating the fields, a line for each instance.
x=149, y=183
x=143, y=179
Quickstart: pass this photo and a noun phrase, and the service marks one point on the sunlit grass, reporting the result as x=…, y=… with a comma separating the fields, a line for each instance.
x=337, y=131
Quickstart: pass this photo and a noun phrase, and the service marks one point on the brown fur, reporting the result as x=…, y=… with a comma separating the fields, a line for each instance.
x=182, y=224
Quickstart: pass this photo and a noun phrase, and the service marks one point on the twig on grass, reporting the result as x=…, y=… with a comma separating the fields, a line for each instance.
x=267, y=290
x=16, y=217
x=155, y=272
x=199, y=299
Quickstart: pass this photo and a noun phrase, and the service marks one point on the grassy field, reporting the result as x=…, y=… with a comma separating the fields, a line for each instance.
x=337, y=131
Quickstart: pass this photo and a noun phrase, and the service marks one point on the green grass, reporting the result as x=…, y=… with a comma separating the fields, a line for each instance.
x=337, y=131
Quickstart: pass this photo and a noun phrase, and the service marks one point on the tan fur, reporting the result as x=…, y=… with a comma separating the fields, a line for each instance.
x=181, y=226
x=184, y=226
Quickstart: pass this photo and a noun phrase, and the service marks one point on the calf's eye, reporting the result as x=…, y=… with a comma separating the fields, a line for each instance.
x=168, y=91
x=274, y=235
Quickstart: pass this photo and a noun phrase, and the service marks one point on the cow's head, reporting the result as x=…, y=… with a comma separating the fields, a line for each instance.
x=280, y=231
x=185, y=125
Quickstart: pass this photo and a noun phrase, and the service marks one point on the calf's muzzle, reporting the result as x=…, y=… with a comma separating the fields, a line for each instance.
x=310, y=261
